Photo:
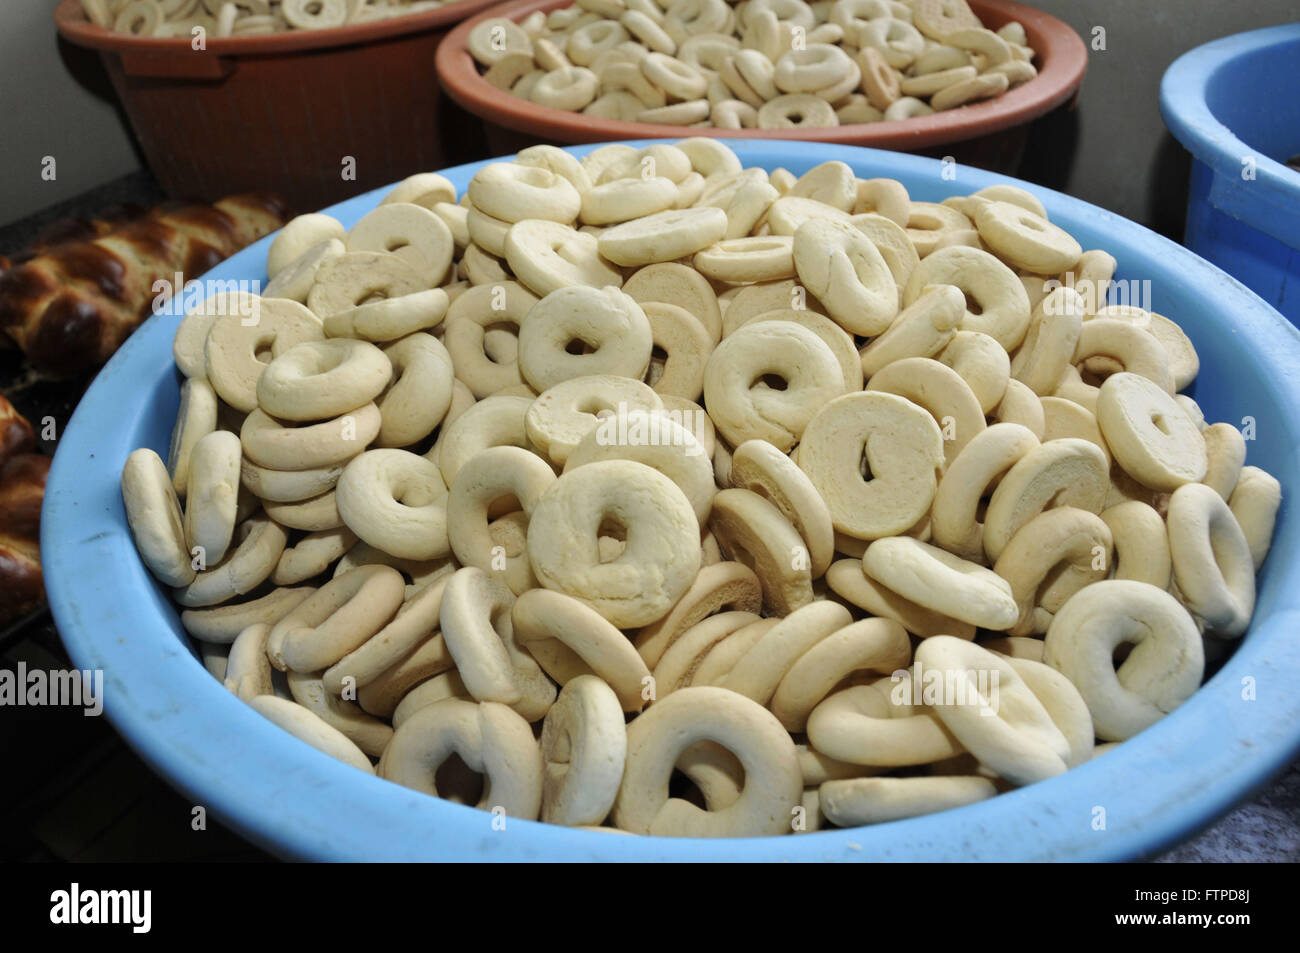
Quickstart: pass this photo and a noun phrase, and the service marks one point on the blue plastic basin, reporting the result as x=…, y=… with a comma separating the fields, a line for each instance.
x=1155, y=789
x=1233, y=104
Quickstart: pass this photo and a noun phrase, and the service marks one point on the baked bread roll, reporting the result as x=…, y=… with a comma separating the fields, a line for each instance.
x=22, y=490
x=72, y=306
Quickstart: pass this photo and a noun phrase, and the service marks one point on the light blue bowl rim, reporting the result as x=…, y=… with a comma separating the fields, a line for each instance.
x=284, y=795
x=1271, y=201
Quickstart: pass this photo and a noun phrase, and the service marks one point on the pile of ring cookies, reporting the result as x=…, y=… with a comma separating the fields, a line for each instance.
x=756, y=64
x=646, y=492
x=179, y=18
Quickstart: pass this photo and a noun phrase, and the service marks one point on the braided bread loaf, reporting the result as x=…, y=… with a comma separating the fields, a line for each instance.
x=22, y=490
x=71, y=307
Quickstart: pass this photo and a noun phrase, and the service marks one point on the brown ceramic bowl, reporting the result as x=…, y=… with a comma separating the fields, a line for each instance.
x=286, y=111
x=1061, y=61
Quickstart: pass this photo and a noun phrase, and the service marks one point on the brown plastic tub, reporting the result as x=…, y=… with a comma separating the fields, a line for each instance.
x=284, y=111
x=990, y=134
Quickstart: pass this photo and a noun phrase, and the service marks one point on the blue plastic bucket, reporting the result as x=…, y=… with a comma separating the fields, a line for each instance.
x=1233, y=103
x=1154, y=789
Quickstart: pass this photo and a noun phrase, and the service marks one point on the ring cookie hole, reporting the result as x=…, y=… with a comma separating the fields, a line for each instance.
x=611, y=538
x=457, y=782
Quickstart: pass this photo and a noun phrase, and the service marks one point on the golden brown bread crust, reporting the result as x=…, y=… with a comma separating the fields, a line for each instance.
x=72, y=306
x=22, y=490
x=16, y=435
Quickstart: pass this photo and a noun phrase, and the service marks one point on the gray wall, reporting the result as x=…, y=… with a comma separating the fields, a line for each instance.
x=1125, y=159
x=53, y=102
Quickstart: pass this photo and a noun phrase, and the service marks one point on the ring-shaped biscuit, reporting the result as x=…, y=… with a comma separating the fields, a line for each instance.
x=335, y=619
x=1050, y=342
x=412, y=233
x=1163, y=670
x=492, y=422
x=476, y=627
x=212, y=495
x=1128, y=346
x=512, y=193
x=753, y=531
x=415, y=623
x=1225, y=452
x=1072, y=545
x=417, y=400
x=796, y=111
x=470, y=318
x=941, y=582
x=681, y=661
x=1149, y=434
x=661, y=556
x=154, y=515
x=584, y=747
x=833, y=336
x=686, y=344
x=222, y=624
x=747, y=260
x=723, y=584
x=566, y=322
x=489, y=738
x=560, y=417
x=308, y=726
x=367, y=732
x=663, y=236
x=892, y=242
x=623, y=200
x=1065, y=472
x=319, y=379
x=288, y=486
x=547, y=256
x=1254, y=502
x=954, y=518
x=741, y=402
x=1141, y=543
x=300, y=234
x=854, y=802
x=663, y=439
x=312, y=555
x=902, y=448
x=922, y=329
x=390, y=319
x=758, y=466
x=680, y=285
x=862, y=725
x=259, y=544
x=879, y=645
x=982, y=363
x=234, y=341
x=656, y=740
x=999, y=719
x=486, y=478
x=1004, y=305
x=843, y=268
x=571, y=637
x=760, y=670
x=940, y=390
x=396, y=501
x=359, y=278
x=1024, y=240
x=1213, y=567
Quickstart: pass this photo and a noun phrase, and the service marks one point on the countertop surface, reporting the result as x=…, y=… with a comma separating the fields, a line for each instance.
x=97, y=801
